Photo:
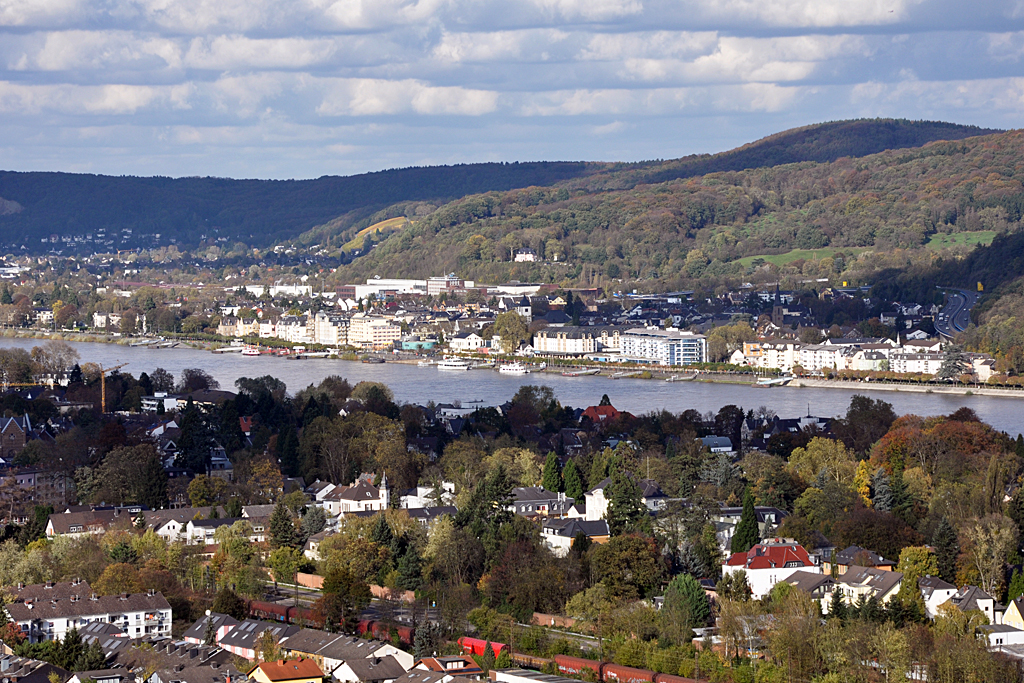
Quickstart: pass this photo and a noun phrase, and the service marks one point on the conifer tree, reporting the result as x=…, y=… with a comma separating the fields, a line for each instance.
x=626, y=510
x=746, y=535
x=882, y=496
x=282, y=529
x=837, y=606
x=947, y=547
x=552, y=480
x=573, y=481
x=1016, y=587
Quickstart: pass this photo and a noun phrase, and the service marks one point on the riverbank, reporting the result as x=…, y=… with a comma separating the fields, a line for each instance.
x=907, y=388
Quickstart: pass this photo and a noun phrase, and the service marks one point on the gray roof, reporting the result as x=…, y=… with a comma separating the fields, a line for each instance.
x=930, y=584
x=432, y=512
x=967, y=598
x=310, y=641
x=534, y=494
x=809, y=581
x=245, y=634
x=376, y=668
x=252, y=511
x=716, y=441
x=198, y=629
x=570, y=527
x=880, y=581
x=85, y=606
x=214, y=523
x=850, y=555
x=350, y=648
x=64, y=521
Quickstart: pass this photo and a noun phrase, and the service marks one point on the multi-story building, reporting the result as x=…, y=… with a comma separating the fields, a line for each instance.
x=566, y=341
x=372, y=332
x=51, y=617
x=360, y=497
x=330, y=329
x=768, y=562
x=664, y=347
x=923, y=363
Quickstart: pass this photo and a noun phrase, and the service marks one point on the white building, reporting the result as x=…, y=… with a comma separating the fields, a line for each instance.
x=50, y=617
x=466, y=342
x=664, y=347
x=360, y=497
x=372, y=331
x=922, y=363
x=330, y=329
x=769, y=562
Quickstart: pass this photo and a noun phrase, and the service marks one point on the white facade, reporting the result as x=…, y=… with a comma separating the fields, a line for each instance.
x=139, y=615
x=470, y=342
x=665, y=347
x=565, y=341
x=372, y=331
x=923, y=363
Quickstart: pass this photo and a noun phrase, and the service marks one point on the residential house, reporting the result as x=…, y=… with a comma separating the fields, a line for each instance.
x=536, y=501
x=287, y=671
x=935, y=592
x=213, y=624
x=999, y=636
x=76, y=524
x=369, y=670
x=349, y=649
x=559, y=534
x=417, y=675
x=201, y=531
x=460, y=665
x=137, y=614
x=718, y=444
x=25, y=670
x=597, y=504
x=318, y=490
x=361, y=496
x=467, y=341
x=818, y=586
x=427, y=516
x=855, y=555
x=768, y=562
x=241, y=640
x=428, y=496
x=868, y=582
x=973, y=598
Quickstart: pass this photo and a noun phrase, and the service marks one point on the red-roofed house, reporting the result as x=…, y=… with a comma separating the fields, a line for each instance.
x=599, y=414
x=768, y=562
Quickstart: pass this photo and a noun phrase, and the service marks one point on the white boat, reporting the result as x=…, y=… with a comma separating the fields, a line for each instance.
x=249, y=350
x=453, y=364
x=516, y=368
x=425, y=363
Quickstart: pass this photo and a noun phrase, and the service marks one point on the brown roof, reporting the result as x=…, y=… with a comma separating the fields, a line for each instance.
x=84, y=606
x=63, y=521
x=291, y=669
x=50, y=590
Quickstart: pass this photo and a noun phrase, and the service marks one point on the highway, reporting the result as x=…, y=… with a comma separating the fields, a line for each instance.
x=956, y=314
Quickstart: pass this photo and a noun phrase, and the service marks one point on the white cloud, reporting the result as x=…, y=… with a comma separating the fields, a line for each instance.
x=240, y=52
x=371, y=97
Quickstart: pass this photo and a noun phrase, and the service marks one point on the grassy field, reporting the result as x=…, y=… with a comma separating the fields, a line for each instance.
x=971, y=239
x=386, y=228
x=805, y=254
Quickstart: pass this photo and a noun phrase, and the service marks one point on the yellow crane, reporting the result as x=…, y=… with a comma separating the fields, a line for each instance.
x=103, y=385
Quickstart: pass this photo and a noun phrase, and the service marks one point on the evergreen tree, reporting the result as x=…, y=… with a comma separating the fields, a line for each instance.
x=746, y=535
x=685, y=595
x=947, y=547
x=282, y=529
x=6, y=297
x=92, y=659
x=229, y=430
x=71, y=648
x=882, y=498
x=233, y=508
x=210, y=633
x=837, y=606
x=410, y=570
x=428, y=640
x=194, y=443
x=902, y=500
x=381, y=533
x=1016, y=587
x=552, y=480
x=1020, y=446
x=504, y=660
x=605, y=401
x=626, y=510
x=76, y=375
x=288, y=448
x=573, y=481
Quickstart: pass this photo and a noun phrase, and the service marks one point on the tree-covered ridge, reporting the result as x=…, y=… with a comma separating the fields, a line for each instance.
x=262, y=212
x=258, y=212
x=695, y=228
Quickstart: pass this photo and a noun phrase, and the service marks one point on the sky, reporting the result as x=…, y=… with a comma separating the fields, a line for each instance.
x=305, y=88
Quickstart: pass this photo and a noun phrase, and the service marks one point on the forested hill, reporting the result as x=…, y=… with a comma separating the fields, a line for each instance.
x=718, y=229
x=261, y=212
x=257, y=212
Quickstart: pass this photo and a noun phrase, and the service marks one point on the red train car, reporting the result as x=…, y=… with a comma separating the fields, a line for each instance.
x=672, y=678
x=626, y=674
x=268, y=610
x=475, y=646
x=574, y=666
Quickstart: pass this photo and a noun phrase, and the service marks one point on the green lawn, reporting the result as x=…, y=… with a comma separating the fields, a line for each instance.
x=805, y=254
x=973, y=239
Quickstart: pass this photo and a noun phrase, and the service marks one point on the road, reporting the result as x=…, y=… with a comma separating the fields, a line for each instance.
x=956, y=314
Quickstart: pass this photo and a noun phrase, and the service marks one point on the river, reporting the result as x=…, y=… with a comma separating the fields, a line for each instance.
x=412, y=384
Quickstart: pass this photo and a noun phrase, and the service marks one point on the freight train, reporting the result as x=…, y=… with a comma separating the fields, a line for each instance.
x=605, y=672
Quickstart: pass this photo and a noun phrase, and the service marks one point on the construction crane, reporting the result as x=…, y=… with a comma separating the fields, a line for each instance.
x=103, y=385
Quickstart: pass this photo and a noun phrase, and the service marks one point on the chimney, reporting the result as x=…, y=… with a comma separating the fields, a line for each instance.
x=5, y=664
